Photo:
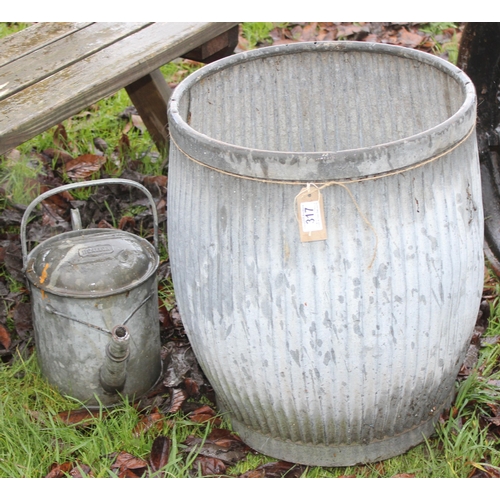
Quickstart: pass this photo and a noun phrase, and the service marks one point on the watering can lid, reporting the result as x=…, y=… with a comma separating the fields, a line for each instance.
x=91, y=263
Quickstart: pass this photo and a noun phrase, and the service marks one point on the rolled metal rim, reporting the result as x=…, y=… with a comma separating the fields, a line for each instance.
x=323, y=165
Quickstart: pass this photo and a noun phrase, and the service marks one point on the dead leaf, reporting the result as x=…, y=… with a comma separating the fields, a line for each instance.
x=204, y=414
x=103, y=224
x=160, y=452
x=222, y=435
x=153, y=419
x=81, y=418
x=126, y=222
x=128, y=112
x=348, y=30
x=56, y=208
x=403, y=475
x=160, y=180
x=176, y=318
x=125, y=463
x=124, y=459
x=490, y=340
x=60, y=137
x=129, y=473
x=409, y=39
x=13, y=156
x=229, y=453
x=495, y=408
x=326, y=34
x=180, y=363
x=210, y=466
x=13, y=261
x=84, y=166
x=50, y=217
x=309, y=32
x=228, y=440
x=177, y=398
x=124, y=144
x=161, y=208
x=494, y=420
x=165, y=320
x=100, y=144
x=483, y=315
x=472, y=355
x=127, y=128
x=485, y=471
x=494, y=382
x=276, y=34
x=277, y=469
x=5, y=339
x=138, y=123
x=59, y=470
x=58, y=156
x=192, y=387
x=23, y=319
x=81, y=471
x=296, y=32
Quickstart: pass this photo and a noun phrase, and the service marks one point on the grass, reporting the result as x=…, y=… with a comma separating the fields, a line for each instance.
x=17, y=177
x=33, y=437
x=435, y=29
x=256, y=33
x=9, y=28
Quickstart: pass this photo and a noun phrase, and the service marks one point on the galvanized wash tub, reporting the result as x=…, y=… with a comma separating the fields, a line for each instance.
x=94, y=298
x=343, y=350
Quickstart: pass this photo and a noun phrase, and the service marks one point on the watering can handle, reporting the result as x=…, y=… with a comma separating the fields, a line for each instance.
x=77, y=185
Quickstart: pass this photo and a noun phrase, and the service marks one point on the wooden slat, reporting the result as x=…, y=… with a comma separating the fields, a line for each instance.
x=50, y=59
x=64, y=94
x=33, y=38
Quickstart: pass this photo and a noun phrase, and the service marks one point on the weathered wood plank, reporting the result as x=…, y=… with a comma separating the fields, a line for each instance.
x=50, y=59
x=33, y=38
x=150, y=95
x=64, y=94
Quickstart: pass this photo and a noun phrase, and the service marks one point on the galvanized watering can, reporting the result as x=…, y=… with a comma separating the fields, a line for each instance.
x=95, y=307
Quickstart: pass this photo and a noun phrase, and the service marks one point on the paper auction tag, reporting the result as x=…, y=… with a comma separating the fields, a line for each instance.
x=311, y=214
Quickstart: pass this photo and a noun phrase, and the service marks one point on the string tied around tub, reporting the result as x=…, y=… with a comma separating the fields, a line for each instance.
x=343, y=183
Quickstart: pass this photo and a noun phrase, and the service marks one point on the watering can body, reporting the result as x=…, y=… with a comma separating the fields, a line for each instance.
x=95, y=310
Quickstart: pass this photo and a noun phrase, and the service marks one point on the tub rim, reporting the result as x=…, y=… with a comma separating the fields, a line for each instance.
x=323, y=165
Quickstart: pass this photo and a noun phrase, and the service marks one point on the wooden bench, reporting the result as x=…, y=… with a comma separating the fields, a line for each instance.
x=51, y=71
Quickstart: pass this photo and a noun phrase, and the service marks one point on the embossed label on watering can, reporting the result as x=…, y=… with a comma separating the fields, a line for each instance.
x=95, y=250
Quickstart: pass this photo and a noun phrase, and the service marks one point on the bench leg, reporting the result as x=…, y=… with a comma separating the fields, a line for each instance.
x=150, y=95
x=217, y=48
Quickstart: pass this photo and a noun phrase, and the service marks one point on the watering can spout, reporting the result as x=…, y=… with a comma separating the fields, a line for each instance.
x=114, y=369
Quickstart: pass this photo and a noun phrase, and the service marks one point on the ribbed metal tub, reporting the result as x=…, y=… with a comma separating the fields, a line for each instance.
x=344, y=350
